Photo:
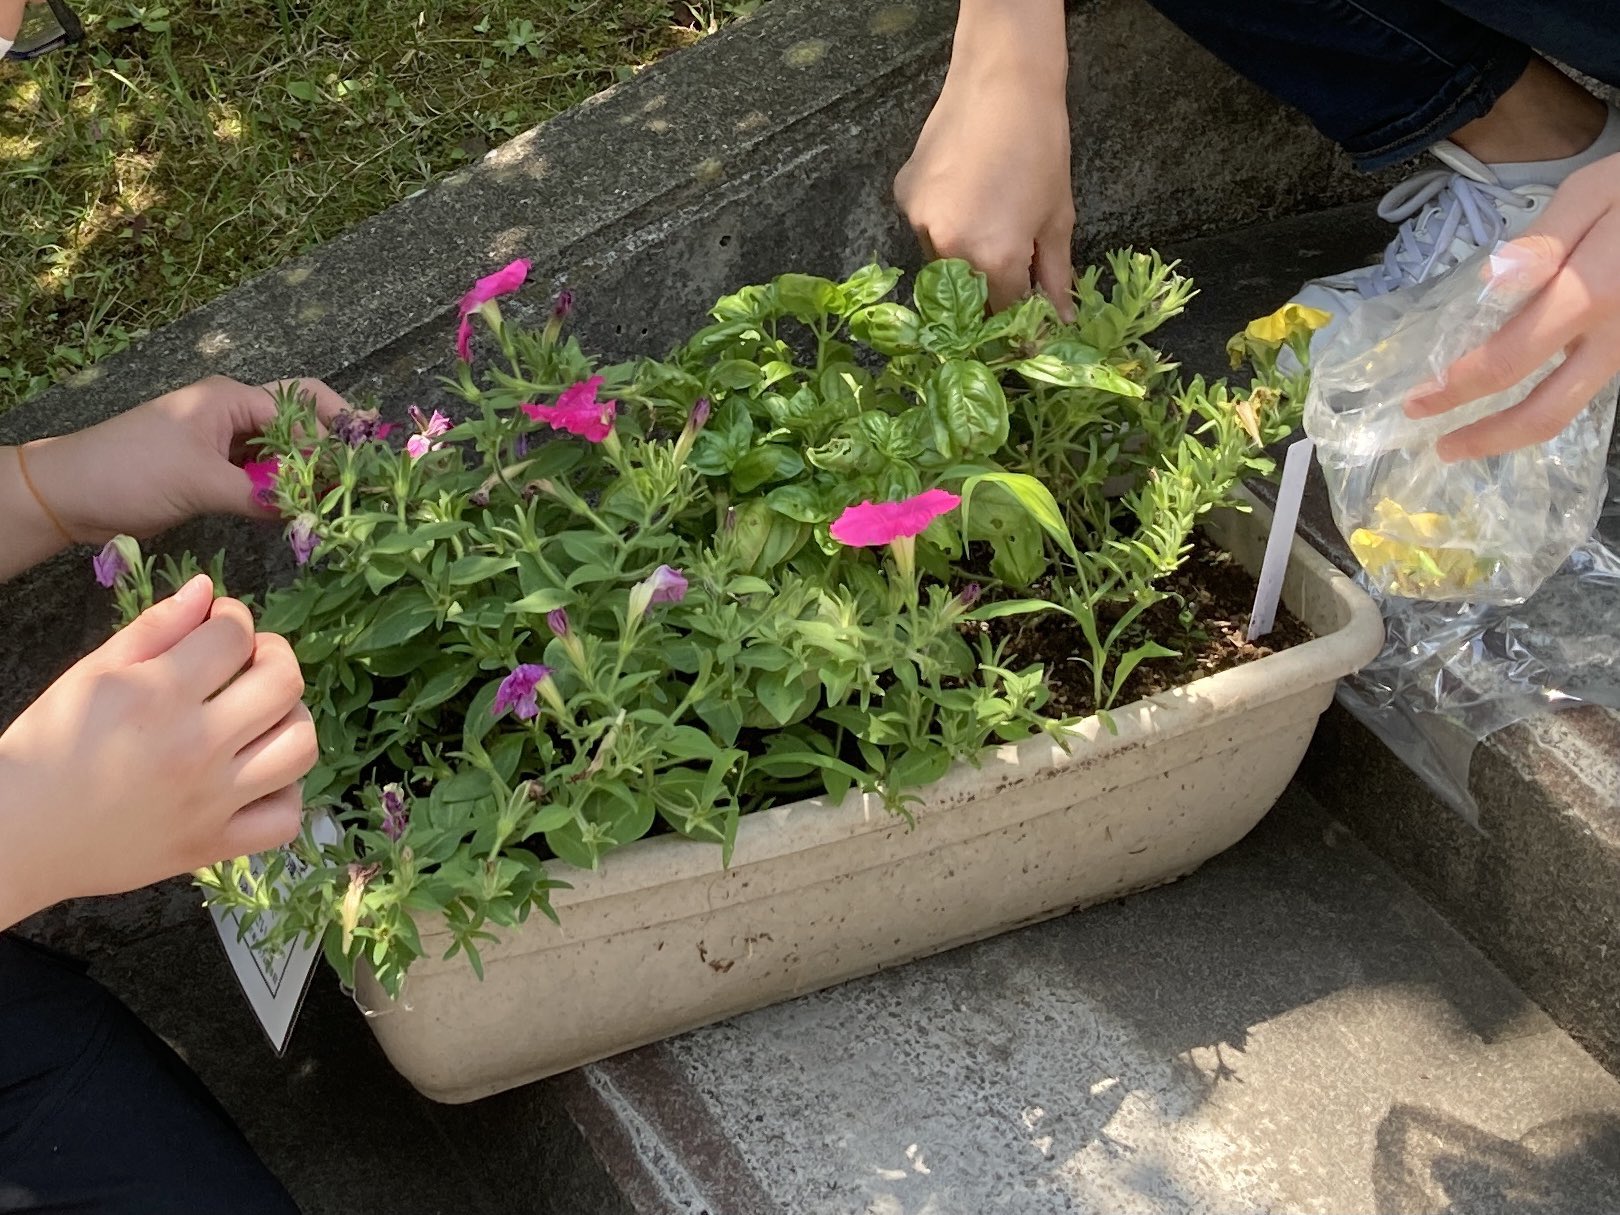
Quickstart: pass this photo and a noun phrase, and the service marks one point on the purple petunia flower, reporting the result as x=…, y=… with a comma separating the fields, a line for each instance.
x=518, y=691
x=664, y=585
x=302, y=538
x=557, y=622
x=109, y=564
x=396, y=813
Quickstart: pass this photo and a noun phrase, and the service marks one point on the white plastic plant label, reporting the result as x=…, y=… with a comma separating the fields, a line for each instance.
x=273, y=981
x=1280, y=542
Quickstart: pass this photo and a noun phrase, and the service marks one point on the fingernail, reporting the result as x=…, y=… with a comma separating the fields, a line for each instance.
x=191, y=590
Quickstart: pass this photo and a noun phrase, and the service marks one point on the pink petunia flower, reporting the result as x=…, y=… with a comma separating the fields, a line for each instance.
x=263, y=474
x=428, y=429
x=578, y=411
x=486, y=291
x=872, y=524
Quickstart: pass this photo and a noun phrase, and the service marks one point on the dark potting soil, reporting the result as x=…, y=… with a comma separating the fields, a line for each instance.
x=1205, y=619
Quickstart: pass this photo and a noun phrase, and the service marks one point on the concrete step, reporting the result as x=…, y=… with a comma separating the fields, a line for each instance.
x=1290, y=1030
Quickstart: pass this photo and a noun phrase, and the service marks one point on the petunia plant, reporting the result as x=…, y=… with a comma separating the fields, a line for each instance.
x=585, y=603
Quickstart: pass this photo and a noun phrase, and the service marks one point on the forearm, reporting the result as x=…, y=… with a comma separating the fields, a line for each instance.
x=19, y=898
x=1026, y=37
x=29, y=534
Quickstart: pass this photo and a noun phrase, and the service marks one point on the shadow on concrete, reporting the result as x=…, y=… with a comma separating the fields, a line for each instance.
x=1428, y=1161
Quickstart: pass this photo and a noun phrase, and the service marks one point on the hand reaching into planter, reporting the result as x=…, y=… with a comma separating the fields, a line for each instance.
x=180, y=742
x=989, y=180
x=157, y=465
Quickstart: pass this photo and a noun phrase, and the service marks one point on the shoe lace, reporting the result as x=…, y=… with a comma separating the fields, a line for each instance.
x=1433, y=209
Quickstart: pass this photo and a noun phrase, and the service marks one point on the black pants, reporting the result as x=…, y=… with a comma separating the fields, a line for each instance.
x=1387, y=78
x=98, y=1116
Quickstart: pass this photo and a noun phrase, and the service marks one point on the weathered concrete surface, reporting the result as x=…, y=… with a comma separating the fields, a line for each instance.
x=1289, y=1030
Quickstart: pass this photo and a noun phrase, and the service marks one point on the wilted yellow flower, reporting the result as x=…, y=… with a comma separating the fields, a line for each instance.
x=1271, y=332
x=1421, y=554
x=1287, y=321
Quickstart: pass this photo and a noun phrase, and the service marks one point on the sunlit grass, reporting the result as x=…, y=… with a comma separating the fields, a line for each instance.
x=189, y=145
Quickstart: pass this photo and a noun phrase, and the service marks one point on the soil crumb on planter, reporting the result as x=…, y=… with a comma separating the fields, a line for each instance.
x=1205, y=618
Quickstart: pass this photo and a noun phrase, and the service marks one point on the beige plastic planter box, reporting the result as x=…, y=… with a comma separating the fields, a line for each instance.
x=663, y=938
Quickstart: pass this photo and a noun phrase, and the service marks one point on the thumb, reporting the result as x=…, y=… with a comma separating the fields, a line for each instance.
x=162, y=626
x=224, y=488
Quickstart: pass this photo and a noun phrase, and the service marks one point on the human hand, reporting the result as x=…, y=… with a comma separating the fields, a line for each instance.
x=989, y=179
x=163, y=462
x=180, y=742
x=1571, y=259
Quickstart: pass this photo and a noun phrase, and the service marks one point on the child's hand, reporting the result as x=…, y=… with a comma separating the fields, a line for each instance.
x=180, y=742
x=989, y=180
x=163, y=462
x=1572, y=257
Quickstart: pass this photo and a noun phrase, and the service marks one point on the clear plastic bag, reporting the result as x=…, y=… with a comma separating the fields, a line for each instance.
x=1499, y=579
x=1452, y=674
x=1478, y=531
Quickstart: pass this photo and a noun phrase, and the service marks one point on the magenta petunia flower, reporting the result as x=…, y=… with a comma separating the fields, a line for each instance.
x=302, y=538
x=578, y=411
x=872, y=524
x=263, y=474
x=428, y=429
x=563, y=307
x=486, y=290
x=518, y=690
x=396, y=812
x=109, y=564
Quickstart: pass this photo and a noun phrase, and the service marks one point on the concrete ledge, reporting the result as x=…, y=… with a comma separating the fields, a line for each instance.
x=1290, y=1029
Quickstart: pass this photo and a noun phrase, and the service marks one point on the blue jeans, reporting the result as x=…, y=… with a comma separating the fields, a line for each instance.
x=1386, y=79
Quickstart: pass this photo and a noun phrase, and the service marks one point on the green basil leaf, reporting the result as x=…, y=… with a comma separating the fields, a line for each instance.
x=968, y=408
x=868, y=285
x=890, y=329
x=805, y=296
x=953, y=296
x=766, y=463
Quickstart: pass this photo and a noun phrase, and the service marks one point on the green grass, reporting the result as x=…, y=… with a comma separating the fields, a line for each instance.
x=187, y=145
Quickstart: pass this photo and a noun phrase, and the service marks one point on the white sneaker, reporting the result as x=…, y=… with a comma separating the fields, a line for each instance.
x=1445, y=216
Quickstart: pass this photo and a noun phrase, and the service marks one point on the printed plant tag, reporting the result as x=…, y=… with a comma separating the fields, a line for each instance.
x=274, y=981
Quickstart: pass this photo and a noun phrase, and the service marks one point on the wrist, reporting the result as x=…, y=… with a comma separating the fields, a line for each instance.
x=1023, y=43
x=66, y=484
x=32, y=531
